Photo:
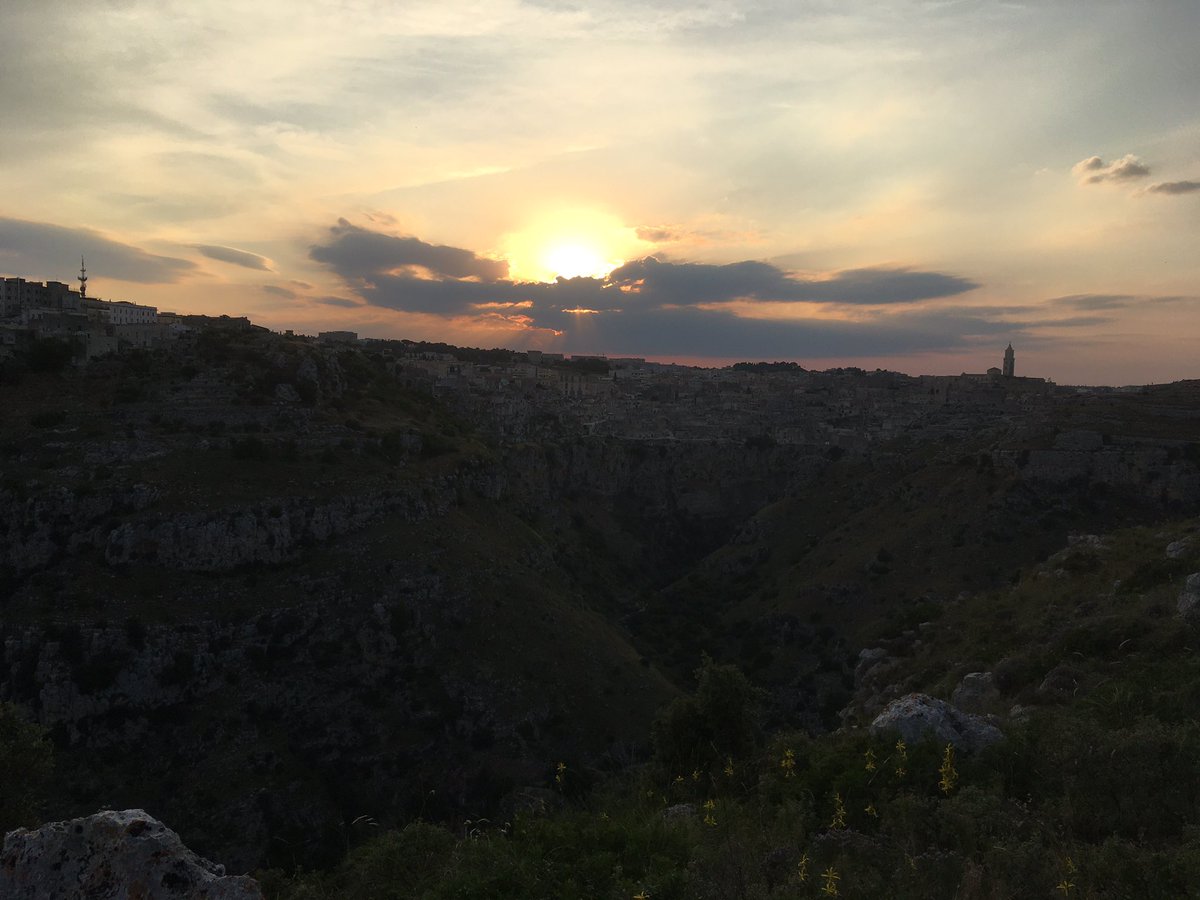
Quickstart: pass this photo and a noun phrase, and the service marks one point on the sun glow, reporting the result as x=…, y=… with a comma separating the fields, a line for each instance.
x=569, y=243
x=570, y=260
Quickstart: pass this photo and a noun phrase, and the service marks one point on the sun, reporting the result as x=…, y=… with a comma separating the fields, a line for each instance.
x=571, y=259
x=568, y=242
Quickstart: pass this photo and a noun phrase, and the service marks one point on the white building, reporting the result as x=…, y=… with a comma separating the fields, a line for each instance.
x=122, y=312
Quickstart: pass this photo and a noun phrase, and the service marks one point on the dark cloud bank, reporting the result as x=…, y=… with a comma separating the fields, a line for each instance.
x=653, y=307
x=40, y=251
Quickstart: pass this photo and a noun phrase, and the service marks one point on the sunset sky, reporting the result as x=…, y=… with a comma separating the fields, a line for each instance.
x=898, y=184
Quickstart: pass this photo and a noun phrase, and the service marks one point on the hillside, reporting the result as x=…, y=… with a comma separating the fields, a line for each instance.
x=1083, y=664
x=255, y=579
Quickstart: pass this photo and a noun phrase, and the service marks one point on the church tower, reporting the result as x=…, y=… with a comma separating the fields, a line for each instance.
x=1010, y=362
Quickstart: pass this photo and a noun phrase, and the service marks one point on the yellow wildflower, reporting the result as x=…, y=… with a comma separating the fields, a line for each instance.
x=871, y=811
x=948, y=772
x=839, y=812
x=870, y=757
x=560, y=773
x=788, y=763
x=831, y=881
x=802, y=869
x=1065, y=886
x=729, y=767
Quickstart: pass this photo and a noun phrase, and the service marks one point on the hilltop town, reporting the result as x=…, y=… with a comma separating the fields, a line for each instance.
x=53, y=310
x=514, y=395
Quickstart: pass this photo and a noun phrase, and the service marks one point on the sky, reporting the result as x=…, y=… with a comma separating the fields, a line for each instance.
x=900, y=184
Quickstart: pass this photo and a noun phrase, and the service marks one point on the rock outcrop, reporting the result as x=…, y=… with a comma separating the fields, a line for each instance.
x=918, y=717
x=976, y=693
x=1189, y=599
x=125, y=855
x=1179, y=549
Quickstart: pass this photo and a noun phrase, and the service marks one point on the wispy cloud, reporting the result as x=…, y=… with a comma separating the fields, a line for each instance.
x=1173, y=187
x=657, y=234
x=1113, y=301
x=235, y=257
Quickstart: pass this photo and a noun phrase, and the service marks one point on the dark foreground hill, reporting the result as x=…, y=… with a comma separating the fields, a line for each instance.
x=264, y=590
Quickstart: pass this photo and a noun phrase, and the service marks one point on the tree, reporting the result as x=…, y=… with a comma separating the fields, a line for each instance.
x=717, y=723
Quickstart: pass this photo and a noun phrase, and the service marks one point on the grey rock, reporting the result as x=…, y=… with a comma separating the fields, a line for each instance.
x=287, y=393
x=918, y=717
x=126, y=855
x=1189, y=599
x=1019, y=713
x=976, y=693
x=868, y=659
x=1179, y=549
x=680, y=811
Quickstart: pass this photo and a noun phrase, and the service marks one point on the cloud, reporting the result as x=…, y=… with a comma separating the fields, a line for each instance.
x=405, y=273
x=1074, y=322
x=1094, y=301
x=1112, y=301
x=649, y=306
x=656, y=234
x=1095, y=170
x=339, y=301
x=1173, y=187
x=40, y=250
x=278, y=291
x=354, y=250
x=694, y=283
x=234, y=257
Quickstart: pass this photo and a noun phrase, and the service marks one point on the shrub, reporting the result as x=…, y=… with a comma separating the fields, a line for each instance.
x=26, y=764
x=719, y=721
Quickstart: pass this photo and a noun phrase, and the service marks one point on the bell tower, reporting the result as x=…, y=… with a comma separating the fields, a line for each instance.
x=1010, y=362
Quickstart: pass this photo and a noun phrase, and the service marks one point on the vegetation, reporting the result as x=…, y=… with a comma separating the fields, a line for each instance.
x=760, y=780
x=26, y=765
x=1094, y=792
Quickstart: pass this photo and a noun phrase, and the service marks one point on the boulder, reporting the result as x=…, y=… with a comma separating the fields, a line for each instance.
x=1179, y=549
x=867, y=660
x=125, y=855
x=918, y=717
x=976, y=693
x=1189, y=600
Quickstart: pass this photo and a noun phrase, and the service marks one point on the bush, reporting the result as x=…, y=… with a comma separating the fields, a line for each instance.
x=50, y=355
x=26, y=764
x=720, y=721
